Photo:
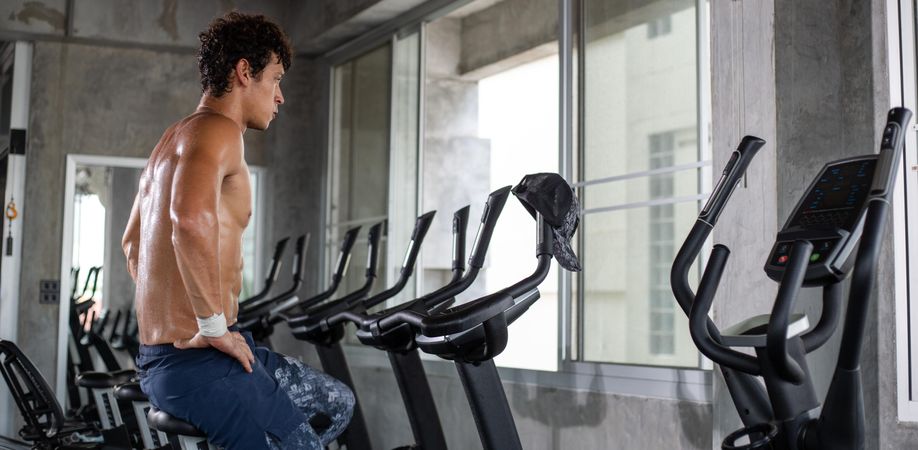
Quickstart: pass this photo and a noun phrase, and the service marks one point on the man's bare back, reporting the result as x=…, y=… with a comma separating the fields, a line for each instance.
x=179, y=204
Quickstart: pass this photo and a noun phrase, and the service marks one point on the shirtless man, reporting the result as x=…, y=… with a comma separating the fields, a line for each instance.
x=183, y=245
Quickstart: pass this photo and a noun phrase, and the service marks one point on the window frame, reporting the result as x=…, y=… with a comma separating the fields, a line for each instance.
x=674, y=383
x=574, y=337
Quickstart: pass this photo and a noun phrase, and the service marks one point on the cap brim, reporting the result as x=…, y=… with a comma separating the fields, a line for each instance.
x=563, y=252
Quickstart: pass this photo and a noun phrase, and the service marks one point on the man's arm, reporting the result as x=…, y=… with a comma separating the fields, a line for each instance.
x=203, y=163
x=194, y=212
x=131, y=238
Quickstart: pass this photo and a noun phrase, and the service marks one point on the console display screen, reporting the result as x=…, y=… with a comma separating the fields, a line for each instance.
x=837, y=197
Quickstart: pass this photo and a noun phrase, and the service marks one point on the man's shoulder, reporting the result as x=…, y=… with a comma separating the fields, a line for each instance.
x=208, y=123
x=210, y=131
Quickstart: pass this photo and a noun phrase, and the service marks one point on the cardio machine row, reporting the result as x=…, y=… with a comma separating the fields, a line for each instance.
x=471, y=334
x=833, y=234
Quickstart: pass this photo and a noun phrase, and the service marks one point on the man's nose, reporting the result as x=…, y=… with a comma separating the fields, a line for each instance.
x=279, y=98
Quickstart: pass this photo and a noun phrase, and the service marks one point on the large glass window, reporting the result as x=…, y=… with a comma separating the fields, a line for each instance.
x=373, y=165
x=489, y=106
x=491, y=117
x=639, y=177
x=359, y=163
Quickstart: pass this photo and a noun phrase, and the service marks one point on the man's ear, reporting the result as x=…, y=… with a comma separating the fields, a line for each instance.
x=243, y=72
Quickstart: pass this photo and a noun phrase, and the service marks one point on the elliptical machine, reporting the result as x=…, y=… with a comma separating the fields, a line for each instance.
x=846, y=205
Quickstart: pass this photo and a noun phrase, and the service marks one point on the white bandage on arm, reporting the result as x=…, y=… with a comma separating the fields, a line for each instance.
x=213, y=326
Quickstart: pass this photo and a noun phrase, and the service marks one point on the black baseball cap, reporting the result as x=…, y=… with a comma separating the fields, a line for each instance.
x=550, y=195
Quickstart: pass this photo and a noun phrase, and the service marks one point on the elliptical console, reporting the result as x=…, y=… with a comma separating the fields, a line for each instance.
x=831, y=217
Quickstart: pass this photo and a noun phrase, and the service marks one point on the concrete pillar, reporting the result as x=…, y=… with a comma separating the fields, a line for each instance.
x=743, y=102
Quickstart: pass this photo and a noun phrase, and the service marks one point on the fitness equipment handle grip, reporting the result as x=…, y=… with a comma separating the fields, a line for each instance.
x=841, y=419
x=273, y=271
x=351, y=298
x=698, y=318
x=863, y=278
x=460, y=225
x=776, y=339
x=457, y=284
x=422, y=224
x=276, y=261
x=891, y=141
x=828, y=320
x=253, y=308
x=476, y=312
x=344, y=254
x=421, y=227
x=729, y=179
x=373, y=254
x=344, y=257
x=492, y=210
x=299, y=257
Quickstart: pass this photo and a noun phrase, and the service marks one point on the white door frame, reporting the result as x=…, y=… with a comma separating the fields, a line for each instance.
x=63, y=330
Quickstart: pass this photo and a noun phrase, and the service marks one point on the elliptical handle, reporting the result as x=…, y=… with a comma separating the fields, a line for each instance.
x=685, y=258
x=489, y=216
x=698, y=318
x=891, y=141
x=460, y=225
x=863, y=277
x=733, y=172
x=828, y=320
x=778, y=323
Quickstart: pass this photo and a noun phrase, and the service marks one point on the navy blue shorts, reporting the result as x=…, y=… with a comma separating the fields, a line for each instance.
x=238, y=410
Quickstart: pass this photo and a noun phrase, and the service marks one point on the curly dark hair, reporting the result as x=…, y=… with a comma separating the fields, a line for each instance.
x=238, y=36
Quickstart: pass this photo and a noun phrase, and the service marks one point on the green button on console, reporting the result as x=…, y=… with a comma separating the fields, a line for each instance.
x=814, y=257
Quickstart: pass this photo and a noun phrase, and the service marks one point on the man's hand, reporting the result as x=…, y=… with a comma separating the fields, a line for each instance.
x=232, y=343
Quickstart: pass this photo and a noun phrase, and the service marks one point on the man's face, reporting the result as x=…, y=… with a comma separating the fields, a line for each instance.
x=266, y=95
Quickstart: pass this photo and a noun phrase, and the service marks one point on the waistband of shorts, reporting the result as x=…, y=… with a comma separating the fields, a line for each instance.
x=168, y=349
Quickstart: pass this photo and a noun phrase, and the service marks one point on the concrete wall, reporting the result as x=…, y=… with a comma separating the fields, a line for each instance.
x=743, y=102
x=157, y=23
x=546, y=418
x=825, y=111
x=321, y=25
x=492, y=39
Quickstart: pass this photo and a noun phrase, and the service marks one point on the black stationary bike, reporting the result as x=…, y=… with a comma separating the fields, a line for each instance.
x=835, y=231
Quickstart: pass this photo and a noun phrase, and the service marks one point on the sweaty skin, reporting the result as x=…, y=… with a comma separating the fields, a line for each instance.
x=183, y=241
